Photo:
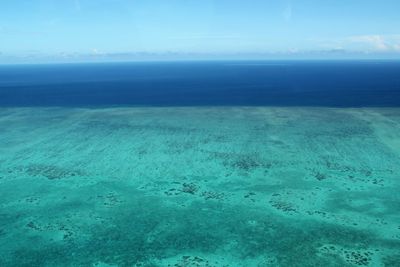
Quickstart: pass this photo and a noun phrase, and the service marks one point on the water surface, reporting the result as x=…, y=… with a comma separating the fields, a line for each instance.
x=86, y=180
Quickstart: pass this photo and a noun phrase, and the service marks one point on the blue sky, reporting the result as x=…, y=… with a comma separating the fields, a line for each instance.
x=90, y=30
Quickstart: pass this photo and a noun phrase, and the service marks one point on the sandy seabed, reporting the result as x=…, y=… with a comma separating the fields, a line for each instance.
x=198, y=186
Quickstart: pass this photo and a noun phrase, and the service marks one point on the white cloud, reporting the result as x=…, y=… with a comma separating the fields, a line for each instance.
x=287, y=13
x=78, y=5
x=383, y=43
x=375, y=41
x=96, y=51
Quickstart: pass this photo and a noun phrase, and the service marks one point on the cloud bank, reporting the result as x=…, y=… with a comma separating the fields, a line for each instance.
x=377, y=42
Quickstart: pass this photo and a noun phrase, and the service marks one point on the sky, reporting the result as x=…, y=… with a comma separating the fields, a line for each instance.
x=118, y=30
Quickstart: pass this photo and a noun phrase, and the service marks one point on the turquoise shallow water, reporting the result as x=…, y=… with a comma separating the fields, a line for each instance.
x=230, y=186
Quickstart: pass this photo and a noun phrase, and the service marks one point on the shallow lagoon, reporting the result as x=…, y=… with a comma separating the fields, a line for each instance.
x=199, y=186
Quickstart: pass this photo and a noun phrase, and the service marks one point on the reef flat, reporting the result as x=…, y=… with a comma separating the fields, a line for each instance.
x=199, y=186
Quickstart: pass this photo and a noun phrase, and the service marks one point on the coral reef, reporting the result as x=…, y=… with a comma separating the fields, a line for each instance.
x=51, y=172
x=232, y=186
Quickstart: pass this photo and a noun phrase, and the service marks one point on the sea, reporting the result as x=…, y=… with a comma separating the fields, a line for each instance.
x=200, y=164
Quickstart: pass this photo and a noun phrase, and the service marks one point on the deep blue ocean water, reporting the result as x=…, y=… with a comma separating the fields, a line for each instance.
x=219, y=83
